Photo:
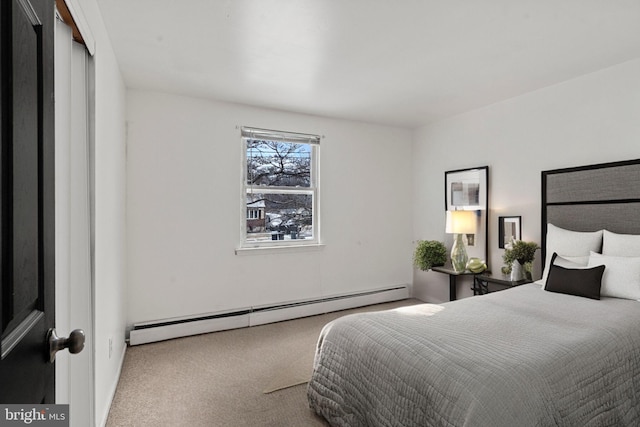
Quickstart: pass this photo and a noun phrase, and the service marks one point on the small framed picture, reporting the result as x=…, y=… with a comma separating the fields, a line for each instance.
x=510, y=228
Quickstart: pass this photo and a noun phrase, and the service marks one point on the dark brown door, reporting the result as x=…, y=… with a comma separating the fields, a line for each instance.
x=27, y=210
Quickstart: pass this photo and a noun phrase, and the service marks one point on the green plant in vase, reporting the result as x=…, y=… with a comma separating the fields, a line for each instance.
x=521, y=252
x=429, y=253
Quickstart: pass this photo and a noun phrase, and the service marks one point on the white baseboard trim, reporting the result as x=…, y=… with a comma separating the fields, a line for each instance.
x=147, y=332
x=165, y=330
x=261, y=316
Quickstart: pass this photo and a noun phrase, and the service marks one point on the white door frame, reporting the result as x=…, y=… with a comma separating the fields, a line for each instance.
x=74, y=279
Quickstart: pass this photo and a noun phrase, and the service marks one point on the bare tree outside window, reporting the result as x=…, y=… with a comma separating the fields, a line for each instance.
x=281, y=164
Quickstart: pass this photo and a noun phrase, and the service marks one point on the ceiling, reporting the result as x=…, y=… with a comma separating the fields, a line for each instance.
x=402, y=62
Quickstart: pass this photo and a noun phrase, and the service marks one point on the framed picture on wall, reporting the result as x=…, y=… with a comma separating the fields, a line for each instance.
x=509, y=228
x=466, y=189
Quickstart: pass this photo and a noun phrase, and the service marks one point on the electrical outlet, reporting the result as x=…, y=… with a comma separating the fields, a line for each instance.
x=110, y=347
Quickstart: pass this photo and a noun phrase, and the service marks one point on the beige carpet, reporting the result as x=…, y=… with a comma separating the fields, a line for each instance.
x=242, y=377
x=293, y=372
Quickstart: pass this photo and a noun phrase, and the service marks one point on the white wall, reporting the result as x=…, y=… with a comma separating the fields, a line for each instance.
x=110, y=197
x=591, y=119
x=183, y=207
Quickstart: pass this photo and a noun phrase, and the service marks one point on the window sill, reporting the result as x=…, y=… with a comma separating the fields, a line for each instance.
x=280, y=249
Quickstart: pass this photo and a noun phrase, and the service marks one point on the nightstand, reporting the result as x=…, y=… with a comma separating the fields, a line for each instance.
x=453, y=279
x=481, y=282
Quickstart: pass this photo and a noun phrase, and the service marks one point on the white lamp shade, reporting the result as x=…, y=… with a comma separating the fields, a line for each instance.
x=461, y=222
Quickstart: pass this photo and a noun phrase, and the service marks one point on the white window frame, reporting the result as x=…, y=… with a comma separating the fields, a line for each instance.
x=253, y=213
x=291, y=137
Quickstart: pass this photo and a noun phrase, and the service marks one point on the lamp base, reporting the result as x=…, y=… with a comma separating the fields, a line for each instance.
x=459, y=257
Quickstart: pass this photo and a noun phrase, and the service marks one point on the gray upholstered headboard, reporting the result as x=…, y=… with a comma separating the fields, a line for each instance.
x=591, y=198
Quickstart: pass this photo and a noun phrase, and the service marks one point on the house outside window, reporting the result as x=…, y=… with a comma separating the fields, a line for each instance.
x=280, y=188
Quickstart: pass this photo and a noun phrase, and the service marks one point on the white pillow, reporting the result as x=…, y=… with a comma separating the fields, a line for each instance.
x=614, y=244
x=574, y=246
x=621, y=278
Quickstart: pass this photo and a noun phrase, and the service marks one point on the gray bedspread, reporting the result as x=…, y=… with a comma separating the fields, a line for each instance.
x=515, y=358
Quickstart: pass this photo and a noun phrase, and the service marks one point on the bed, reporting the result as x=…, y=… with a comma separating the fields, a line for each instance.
x=564, y=351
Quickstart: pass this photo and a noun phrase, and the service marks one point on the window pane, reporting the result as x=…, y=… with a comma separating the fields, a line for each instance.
x=279, y=217
x=275, y=163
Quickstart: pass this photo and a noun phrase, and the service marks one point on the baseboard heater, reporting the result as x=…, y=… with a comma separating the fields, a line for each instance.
x=142, y=333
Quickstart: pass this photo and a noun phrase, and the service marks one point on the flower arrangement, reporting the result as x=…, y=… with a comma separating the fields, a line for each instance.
x=521, y=251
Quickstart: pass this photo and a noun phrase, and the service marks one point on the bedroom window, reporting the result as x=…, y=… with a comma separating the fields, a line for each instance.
x=280, y=188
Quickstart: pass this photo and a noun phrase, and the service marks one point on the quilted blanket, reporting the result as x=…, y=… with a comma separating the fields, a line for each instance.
x=519, y=357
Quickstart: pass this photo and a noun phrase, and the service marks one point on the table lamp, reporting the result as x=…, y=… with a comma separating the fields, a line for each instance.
x=459, y=223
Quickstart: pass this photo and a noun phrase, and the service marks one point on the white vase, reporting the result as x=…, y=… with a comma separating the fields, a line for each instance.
x=517, y=271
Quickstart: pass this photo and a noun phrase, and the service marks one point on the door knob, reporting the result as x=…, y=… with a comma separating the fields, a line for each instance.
x=75, y=342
